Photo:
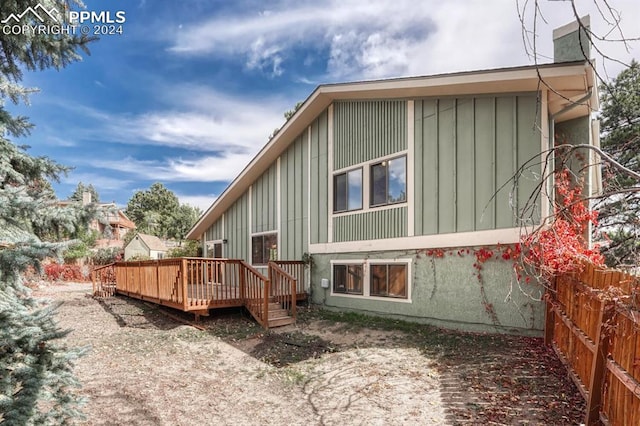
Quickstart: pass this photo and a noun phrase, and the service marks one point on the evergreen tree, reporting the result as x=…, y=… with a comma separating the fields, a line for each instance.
x=36, y=380
x=620, y=213
x=81, y=189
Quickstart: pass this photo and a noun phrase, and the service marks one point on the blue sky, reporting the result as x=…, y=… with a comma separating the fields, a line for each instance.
x=191, y=90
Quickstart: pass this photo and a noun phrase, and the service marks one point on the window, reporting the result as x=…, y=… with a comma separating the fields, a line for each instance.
x=347, y=191
x=264, y=248
x=388, y=280
x=347, y=279
x=389, y=182
x=214, y=249
x=372, y=278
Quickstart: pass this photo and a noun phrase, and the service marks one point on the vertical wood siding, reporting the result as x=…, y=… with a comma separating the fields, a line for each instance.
x=465, y=149
x=237, y=229
x=364, y=130
x=319, y=179
x=375, y=224
x=294, y=170
x=215, y=231
x=264, y=201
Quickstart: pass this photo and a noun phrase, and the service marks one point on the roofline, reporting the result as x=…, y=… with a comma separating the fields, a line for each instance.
x=393, y=88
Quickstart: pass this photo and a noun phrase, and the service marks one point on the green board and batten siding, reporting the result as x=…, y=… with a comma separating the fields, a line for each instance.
x=365, y=131
x=465, y=149
x=294, y=206
x=319, y=191
x=215, y=231
x=372, y=225
x=264, y=201
x=236, y=225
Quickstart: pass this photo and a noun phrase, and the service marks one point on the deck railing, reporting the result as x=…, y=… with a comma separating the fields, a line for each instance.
x=283, y=288
x=296, y=269
x=103, y=279
x=159, y=281
x=256, y=289
x=212, y=282
x=198, y=284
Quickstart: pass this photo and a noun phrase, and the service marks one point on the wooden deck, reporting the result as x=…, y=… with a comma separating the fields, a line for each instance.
x=199, y=284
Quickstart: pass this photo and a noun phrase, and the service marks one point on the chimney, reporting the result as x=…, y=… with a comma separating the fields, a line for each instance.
x=571, y=42
x=86, y=198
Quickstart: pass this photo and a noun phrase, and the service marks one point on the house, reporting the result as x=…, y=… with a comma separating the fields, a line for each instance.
x=391, y=186
x=111, y=223
x=145, y=246
x=112, y=227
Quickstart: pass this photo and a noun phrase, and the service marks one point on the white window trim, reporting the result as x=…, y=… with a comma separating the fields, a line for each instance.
x=366, y=278
x=366, y=185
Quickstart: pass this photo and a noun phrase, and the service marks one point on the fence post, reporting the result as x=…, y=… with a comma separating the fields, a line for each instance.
x=549, y=315
x=599, y=365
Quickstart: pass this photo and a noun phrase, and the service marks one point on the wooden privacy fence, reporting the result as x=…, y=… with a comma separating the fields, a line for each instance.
x=593, y=324
x=199, y=284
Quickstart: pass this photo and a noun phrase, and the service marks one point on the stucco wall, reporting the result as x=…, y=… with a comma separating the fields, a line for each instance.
x=445, y=292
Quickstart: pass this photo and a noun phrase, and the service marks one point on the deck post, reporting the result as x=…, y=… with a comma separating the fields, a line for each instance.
x=294, y=298
x=185, y=292
x=242, y=273
x=267, y=291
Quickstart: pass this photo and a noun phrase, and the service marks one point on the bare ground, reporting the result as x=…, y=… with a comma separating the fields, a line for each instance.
x=144, y=368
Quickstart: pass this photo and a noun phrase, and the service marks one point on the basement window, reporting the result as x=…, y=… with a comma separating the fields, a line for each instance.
x=389, y=280
x=348, y=279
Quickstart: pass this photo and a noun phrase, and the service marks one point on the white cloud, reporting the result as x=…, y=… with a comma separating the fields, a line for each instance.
x=394, y=37
x=219, y=168
x=201, y=201
x=201, y=119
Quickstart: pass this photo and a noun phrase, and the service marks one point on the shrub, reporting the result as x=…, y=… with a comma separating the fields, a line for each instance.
x=63, y=272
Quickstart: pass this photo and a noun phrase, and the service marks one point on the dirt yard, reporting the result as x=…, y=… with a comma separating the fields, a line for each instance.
x=145, y=368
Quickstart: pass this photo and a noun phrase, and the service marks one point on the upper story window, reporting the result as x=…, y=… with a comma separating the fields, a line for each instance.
x=347, y=191
x=389, y=181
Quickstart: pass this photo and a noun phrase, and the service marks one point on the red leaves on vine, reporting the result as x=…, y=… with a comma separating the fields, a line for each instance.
x=562, y=247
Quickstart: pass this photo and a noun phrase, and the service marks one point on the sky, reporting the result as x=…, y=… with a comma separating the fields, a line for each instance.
x=192, y=89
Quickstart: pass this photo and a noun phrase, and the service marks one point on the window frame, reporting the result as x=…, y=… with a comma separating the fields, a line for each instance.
x=366, y=278
x=264, y=235
x=213, y=244
x=387, y=195
x=347, y=267
x=346, y=173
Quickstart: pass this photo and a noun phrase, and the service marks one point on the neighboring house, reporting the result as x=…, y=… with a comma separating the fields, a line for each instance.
x=372, y=178
x=112, y=227
x=112, y=224
x=143, y=245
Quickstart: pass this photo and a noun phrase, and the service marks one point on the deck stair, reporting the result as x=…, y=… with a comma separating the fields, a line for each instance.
x=278, y=316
